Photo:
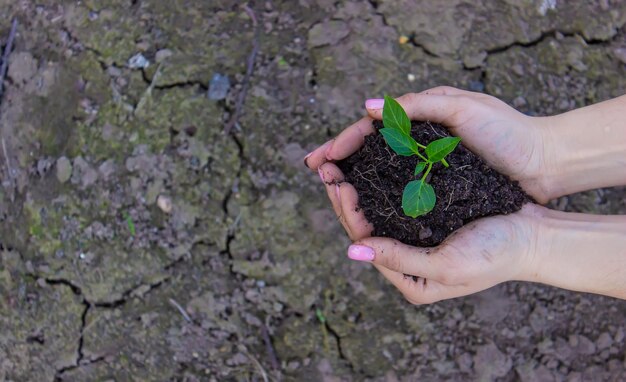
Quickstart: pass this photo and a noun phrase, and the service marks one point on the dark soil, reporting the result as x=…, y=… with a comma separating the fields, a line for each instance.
x=467, y=190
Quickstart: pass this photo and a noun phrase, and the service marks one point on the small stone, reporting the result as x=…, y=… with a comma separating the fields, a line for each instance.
x=64, y=169
x=162, y=55
x=328, y=33
x=425, y=233
x=475, y=61
x=138, y=61
x=114, y=71
x=164, y=203
x=410, y=77
x=218, y=87
x=518, y=69
x=604, y=341
x=519, y=101
x=582, y=345
x=403, y=40
x=619, y=336
x=476, y=86
x=620, y=53
x=490, y=363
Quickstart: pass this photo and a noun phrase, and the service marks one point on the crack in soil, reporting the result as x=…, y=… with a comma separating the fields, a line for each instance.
x=339, y=347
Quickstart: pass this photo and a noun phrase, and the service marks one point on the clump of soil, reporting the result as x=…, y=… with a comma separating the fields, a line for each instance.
x=466, y=191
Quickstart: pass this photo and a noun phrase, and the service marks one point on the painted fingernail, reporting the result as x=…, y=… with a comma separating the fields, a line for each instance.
x=374, y=103
x=319, y=171
x=360, y=253
x=338, y=193
x=306, y=159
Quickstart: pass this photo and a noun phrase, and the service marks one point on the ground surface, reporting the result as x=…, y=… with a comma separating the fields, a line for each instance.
x=99, y=282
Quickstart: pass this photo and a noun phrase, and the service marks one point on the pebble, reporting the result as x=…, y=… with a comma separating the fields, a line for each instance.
x=162, y=55
x=138, y=61
x=64, y=169
x=425, y=233
x=604, y=341
x=218, y=87
x=164, y=203
x=620, y=53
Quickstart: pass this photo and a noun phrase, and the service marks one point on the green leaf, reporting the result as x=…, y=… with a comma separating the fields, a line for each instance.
x=437, y=150
x=394, y=116
x=420, y=167
x=130, y=224
x=418, y=198
x=402, y=144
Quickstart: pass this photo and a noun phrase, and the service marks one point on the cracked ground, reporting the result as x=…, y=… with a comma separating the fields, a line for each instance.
x=139, y=241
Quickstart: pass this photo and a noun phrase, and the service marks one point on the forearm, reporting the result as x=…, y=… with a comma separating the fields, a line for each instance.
x=588, y=148
x=581, y=252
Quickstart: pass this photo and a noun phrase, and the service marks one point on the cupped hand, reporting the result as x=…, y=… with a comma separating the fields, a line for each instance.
x=479, y=255
x=509, y=141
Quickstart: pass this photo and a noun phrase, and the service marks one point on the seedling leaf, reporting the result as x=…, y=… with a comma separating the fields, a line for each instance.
x=418, y=198
x=420, y=167
x=437, y=150
x=402, y=144
x=394, y=116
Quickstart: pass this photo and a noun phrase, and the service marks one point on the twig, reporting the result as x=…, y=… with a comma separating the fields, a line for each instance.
x=249, y=70
x=6, y=158
x=268, y=346
x=180, y=309
x=5, y=55
x=148, y=93
x=258, y=366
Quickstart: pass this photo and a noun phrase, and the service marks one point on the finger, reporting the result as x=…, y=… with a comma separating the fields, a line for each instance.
x=427, y=107
x=422, y=291
x=353, y=216
x=446, y=90
x=398, y=257
x=317, y=157
x=350, y=140
x=331, y=176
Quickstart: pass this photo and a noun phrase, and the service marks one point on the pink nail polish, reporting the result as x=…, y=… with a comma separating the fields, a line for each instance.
x=360, y=253
x=374, y=103
x=338, y=193
x=319, y=171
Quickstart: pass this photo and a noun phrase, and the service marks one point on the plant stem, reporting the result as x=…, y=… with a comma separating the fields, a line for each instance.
x=420, y=155
x=430, y=166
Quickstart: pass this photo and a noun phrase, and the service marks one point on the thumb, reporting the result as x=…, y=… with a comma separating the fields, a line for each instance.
x=423, y=106
x=397, y=256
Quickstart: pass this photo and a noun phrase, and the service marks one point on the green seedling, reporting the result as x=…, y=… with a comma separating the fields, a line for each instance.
x=418, y=197
x=130, y=224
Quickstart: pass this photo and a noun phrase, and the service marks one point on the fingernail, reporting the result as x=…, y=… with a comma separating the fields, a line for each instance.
x=306, y=159
x=360, y=253
x=338, y=193
x=319, y=171
x=374, y=103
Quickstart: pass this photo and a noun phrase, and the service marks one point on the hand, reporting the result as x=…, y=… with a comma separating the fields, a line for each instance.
x=476, y=257
x=506, y=139
x=479, y=255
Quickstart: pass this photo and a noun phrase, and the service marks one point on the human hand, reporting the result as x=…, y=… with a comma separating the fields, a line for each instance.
x=492, y=249
x=527, y=245
x=478, y=256
x=506, y=139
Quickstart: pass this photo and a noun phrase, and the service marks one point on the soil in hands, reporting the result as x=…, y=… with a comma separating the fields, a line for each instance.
x=466, y=191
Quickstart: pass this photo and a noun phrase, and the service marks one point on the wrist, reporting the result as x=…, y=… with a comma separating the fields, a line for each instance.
x=579, y=252
x=584, y=149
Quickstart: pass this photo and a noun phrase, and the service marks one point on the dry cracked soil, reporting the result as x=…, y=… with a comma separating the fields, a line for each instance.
x=138, y=241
